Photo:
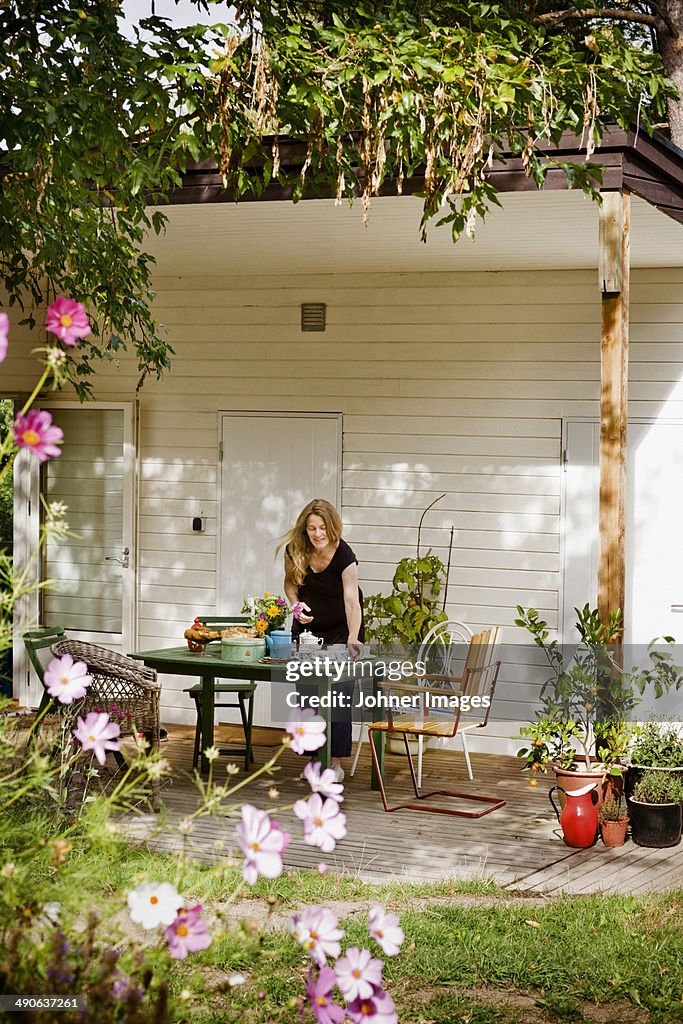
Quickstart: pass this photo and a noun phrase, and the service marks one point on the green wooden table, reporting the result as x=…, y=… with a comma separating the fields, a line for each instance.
x=208, y=666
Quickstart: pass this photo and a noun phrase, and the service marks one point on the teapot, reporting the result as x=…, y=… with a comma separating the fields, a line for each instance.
x=279, y=643
x=308, y=639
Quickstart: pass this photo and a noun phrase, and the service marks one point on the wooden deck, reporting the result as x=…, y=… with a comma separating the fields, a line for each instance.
x=518, y=846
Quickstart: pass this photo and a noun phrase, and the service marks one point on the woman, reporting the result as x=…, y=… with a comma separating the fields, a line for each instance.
x=321, y=576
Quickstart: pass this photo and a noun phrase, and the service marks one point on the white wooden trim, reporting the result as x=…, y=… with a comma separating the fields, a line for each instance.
x=131, y=512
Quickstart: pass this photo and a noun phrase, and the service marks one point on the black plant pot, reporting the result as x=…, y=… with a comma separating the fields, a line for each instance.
x=656, y=825
x=635, y=772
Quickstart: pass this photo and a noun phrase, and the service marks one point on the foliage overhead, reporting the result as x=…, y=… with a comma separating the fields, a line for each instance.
x=98, y=127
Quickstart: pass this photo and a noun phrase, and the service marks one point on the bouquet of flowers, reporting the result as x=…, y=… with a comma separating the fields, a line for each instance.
x=266, y=613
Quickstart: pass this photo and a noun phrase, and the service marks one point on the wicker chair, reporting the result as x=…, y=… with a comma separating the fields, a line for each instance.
x=127, y=690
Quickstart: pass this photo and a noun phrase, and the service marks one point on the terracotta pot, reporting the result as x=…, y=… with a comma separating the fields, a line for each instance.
x=609, y=786
x=614, y=832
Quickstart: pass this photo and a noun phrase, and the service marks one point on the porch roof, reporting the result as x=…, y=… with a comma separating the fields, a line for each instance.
x=535, y=230
x=648, y=166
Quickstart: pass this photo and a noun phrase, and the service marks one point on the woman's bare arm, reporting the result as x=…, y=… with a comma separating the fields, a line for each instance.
x=352, y=606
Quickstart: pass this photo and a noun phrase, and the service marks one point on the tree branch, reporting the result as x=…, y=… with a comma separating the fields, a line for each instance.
x=612, y=13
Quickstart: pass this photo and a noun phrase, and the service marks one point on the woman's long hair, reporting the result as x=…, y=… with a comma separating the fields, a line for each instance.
x=296, y=542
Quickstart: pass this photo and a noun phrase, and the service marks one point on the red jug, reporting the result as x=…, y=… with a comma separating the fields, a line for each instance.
x=579, y=819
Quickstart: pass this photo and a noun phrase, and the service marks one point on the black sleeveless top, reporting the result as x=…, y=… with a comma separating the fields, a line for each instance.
x=323, y=592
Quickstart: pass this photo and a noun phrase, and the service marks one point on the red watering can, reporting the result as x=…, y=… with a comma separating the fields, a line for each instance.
x=579, y=819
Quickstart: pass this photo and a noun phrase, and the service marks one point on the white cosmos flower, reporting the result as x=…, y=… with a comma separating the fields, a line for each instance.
x=385, y=930
x=322, y=781
x=323, y=822
x=154, y=903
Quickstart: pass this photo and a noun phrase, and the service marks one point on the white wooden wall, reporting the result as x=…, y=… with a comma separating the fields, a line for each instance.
x=452, y=382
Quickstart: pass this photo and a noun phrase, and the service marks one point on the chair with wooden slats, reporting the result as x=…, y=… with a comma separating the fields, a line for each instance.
x=440, y=715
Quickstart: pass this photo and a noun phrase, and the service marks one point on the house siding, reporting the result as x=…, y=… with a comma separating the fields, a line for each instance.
x=451, y=383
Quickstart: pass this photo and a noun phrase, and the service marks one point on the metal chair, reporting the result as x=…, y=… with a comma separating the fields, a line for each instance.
x=128, y=691
x=447, y=693
x=438, y=649
x=241, y=689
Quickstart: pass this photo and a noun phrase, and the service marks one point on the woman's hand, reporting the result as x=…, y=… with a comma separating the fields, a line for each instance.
x=355, y=649
x=302, y=615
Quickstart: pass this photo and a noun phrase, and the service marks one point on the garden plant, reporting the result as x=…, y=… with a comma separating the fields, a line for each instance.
x=417, y=601
x=68, y=951
x=588, y=699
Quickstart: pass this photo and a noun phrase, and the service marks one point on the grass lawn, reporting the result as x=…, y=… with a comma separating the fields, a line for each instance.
x=482, y=960
x=472, y=953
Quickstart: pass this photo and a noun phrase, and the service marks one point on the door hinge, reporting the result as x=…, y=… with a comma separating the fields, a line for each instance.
x=565, y=460
x=220, y=451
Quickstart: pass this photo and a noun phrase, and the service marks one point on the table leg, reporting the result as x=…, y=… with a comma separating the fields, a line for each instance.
x=325, y=752
x=377, y=738
x=208, y=683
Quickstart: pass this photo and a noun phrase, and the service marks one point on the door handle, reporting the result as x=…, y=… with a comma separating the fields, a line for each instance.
x=123, y=561
x=677, y=607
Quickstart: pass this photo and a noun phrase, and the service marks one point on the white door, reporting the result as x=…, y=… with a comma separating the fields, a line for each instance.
x=271, y=466
x=90, y=572
x=654, y=554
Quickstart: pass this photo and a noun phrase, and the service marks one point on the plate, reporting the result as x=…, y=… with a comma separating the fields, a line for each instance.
x=267, y=660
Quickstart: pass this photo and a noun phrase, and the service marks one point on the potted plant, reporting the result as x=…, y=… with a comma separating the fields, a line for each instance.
x=586, y=702
x=613, y=818
x=417, y=601
x=656, y=808
x=658, y=747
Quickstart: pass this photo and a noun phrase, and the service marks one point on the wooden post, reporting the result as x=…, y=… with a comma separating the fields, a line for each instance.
x=615, y=217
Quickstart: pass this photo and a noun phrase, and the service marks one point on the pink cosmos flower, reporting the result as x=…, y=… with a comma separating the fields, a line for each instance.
x=35, y=431
x=95, y=732
x=378, y=1008
x=4, y=331
x=359, y=975
x=188, y=933
x=285, y=837
x=323, y=822
x=67, y=680
x=307, y=731
x=385, y=929
x=67, y=319
x=323, y=781
x=262, y=844
x=319, y=992
x=316, y=931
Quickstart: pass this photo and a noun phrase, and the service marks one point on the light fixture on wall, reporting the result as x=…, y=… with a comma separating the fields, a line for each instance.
x=313, y=316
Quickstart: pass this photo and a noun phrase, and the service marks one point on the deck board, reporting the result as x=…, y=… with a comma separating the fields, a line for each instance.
x=519, y=846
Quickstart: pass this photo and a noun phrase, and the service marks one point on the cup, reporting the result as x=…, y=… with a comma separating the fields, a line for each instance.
x=338, y=652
